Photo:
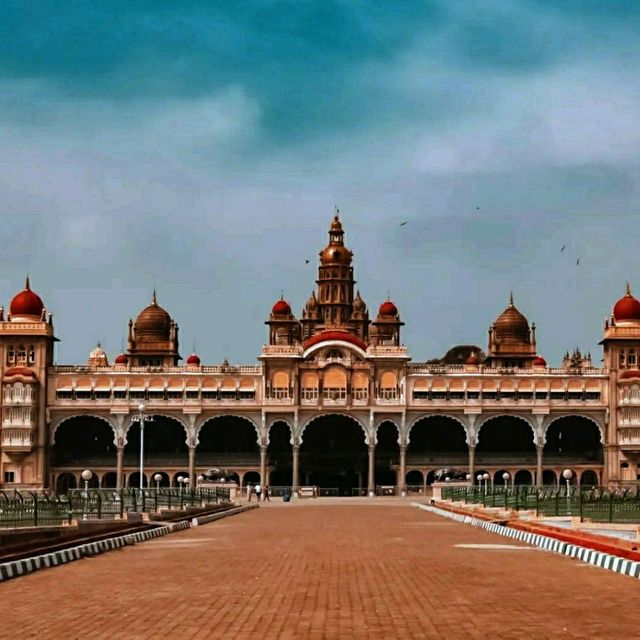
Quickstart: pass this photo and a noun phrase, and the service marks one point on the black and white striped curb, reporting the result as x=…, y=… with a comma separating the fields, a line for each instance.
x=18, y=568
x=218, y=516
x=589, y=556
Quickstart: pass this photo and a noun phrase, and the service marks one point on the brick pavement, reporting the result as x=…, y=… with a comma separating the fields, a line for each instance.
x=323, y=571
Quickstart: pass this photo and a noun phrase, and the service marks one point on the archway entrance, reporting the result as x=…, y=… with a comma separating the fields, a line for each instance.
x=84, y=441
x=573, y=440
x=333, y=455
x=227, y=441
x=165, y=443
x=280, y=455
x=438, y=440
x=506, y=439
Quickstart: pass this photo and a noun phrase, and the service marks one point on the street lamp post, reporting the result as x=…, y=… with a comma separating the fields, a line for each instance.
x=86, y=476
x=505, y=477
x=158, y=479
x=486, y=477
x=479, y=479
x=567, y=474
x=141, y=418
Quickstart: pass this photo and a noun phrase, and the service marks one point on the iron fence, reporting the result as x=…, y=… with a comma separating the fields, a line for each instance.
x=597, y=504
x=33, y=509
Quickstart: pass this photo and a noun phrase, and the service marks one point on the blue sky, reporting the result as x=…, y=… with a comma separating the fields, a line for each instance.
x=201, y=147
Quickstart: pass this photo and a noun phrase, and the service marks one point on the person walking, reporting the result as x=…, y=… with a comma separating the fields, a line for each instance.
x=249, y=492
x=265, y=494
x=258, y=490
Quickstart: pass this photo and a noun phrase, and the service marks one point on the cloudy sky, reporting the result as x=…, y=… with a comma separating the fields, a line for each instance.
x=200, y=147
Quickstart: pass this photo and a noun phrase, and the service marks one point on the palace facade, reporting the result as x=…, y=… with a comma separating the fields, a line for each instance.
x=335, y=401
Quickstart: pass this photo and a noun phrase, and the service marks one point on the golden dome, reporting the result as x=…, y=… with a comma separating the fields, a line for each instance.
x=358, y=304
x=336, y=225
x=153, y=321
x=511, y=326
x=335, y=254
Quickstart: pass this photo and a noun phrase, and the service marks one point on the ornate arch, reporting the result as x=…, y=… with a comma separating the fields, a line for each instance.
x=381, y=422
x=554, y=418
x=267, y=435
x=344, y=415
x=467, y=431
x=162, y=414
x=210, y=418
x=56, y=424
x=520, y=416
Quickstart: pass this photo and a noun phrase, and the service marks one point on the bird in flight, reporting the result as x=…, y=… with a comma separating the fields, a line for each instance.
x=578, y=262
x=564, y=246
x=306, y=262
x=477, y=208
x=403, y=223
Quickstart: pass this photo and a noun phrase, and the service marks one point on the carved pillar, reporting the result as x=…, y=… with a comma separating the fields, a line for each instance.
x=472, y=462
x=402, y=485
x=263, y=465
x=539, y=450
x=371, y=476
x=119, y=466
x=192, y=466
x=296, y=468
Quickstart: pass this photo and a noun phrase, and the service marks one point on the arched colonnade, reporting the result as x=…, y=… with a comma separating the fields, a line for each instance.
x=278, y=449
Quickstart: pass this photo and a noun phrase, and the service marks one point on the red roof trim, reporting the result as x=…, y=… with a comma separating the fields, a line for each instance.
x=325, y=336
x=19, y=371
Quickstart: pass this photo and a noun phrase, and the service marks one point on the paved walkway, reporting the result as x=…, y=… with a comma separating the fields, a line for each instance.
x=319, y=571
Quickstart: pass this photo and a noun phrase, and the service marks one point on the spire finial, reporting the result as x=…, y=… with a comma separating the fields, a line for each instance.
x=511, y=299
x=628, y=291
x=281, y=294
x=27, y=286
x=153, y=299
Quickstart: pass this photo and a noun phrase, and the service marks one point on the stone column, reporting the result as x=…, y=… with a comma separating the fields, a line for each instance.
x=402, y=485
x=296, y=468
x=119, y=466
x=472, y=463
x=192, y=466
x=263, y=465
x=539, y=450
x=371, y=477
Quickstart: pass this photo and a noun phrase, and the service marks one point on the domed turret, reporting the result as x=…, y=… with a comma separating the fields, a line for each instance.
x=97, y=357
x=335, y=252
x=193, y=360
x=26, y=305
x=281, y=307
x=121, y=359
x=388, y=309
x=511, y=326
x=539, y=362
x=627, y=309
x=153, y=322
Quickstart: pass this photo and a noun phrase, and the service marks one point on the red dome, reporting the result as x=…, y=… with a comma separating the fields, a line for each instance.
x=631, y=373
x=26, y=303
x=121, y=359
x=627, y=308
x=281, y=308
x=473, y=359
x=334, y=334
x=539, y=362
x=193, y=360
x=387, y=308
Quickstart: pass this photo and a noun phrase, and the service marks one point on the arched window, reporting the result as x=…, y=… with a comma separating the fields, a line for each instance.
x=632, y=357
x=622, y=358
x=32, y=354
x=22, y=354
x=11, y=355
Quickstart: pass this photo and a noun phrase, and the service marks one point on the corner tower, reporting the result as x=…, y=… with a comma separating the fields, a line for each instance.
x=26, y=353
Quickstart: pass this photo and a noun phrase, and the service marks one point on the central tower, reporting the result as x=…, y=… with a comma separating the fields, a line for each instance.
x=335, y=279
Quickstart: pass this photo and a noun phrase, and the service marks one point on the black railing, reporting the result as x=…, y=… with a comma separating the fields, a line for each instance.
x=32, y=509
x=596, y=504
